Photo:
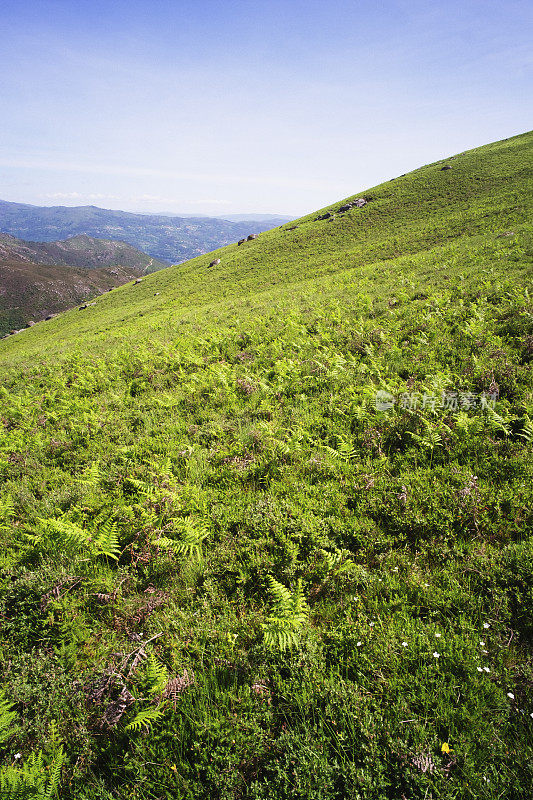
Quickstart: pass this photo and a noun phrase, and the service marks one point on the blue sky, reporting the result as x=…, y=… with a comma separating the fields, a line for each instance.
x=233, y=106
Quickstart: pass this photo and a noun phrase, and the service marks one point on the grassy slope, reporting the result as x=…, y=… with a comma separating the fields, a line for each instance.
x=239, y=402
x=485, y=192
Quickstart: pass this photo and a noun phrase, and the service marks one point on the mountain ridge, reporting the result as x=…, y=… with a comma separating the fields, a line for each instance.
x=169, y=239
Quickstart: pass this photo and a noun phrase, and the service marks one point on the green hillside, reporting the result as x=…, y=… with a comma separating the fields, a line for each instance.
x=266, y=525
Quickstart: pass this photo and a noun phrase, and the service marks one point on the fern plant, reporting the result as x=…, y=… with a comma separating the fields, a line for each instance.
x=144, y=718
x=288, y=616
x=344, y=450
x=70, y=537
x=527, y=431
x=190, y=542
x=106, y=542
x=7, y=508
x=156, y=681
x=429, y=441
x=38, y=778
x=156, y=675
x=92, y=476
x=7, y=718
x=499, y=423
x=65, y=533
x=135, y=485
x=337, y=562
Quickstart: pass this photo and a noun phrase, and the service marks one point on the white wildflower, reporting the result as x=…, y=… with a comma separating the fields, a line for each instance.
x=436, y=655
x=486, y=625
x=404, y=644
x=486, y=669
x=510, y=695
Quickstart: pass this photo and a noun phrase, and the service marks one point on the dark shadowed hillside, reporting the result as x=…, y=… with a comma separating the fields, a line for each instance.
x=78, y=251
x=38, y=279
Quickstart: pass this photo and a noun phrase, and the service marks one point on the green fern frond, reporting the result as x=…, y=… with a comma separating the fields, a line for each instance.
x=280, y=633
x=337, y=562
x=144, y=719
x=7, y=508
x=15, y=786
x=7, y=718
x=499, y=423
x=70, y=537
x=289, y=614
x=346, y=451
x=431, y=440
x=165, y=543
x=54, y=774
x=156, y=674
x=280, y=593
x=527, y=432
x=191, y=538
x=33, y=780
x=299, y=608
x=92, y=476
x=141, y=487
x=106, y=543
x=66, y=534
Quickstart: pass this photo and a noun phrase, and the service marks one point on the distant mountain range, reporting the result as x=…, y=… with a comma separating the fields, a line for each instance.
x=274, y=220
x=169, y=239
x=38, y=279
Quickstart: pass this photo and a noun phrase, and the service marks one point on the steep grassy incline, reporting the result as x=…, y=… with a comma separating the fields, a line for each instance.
x=441, y=214
x=266, y=526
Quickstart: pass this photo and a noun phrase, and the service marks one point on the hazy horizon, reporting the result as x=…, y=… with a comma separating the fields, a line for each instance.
x=237, y=108
x=163, y=212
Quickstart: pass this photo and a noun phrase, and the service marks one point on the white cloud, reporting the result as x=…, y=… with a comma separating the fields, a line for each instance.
x=43, y=163
x=80, y=196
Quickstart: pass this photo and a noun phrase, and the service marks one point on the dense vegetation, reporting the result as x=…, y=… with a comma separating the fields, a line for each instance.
x=227, y=570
